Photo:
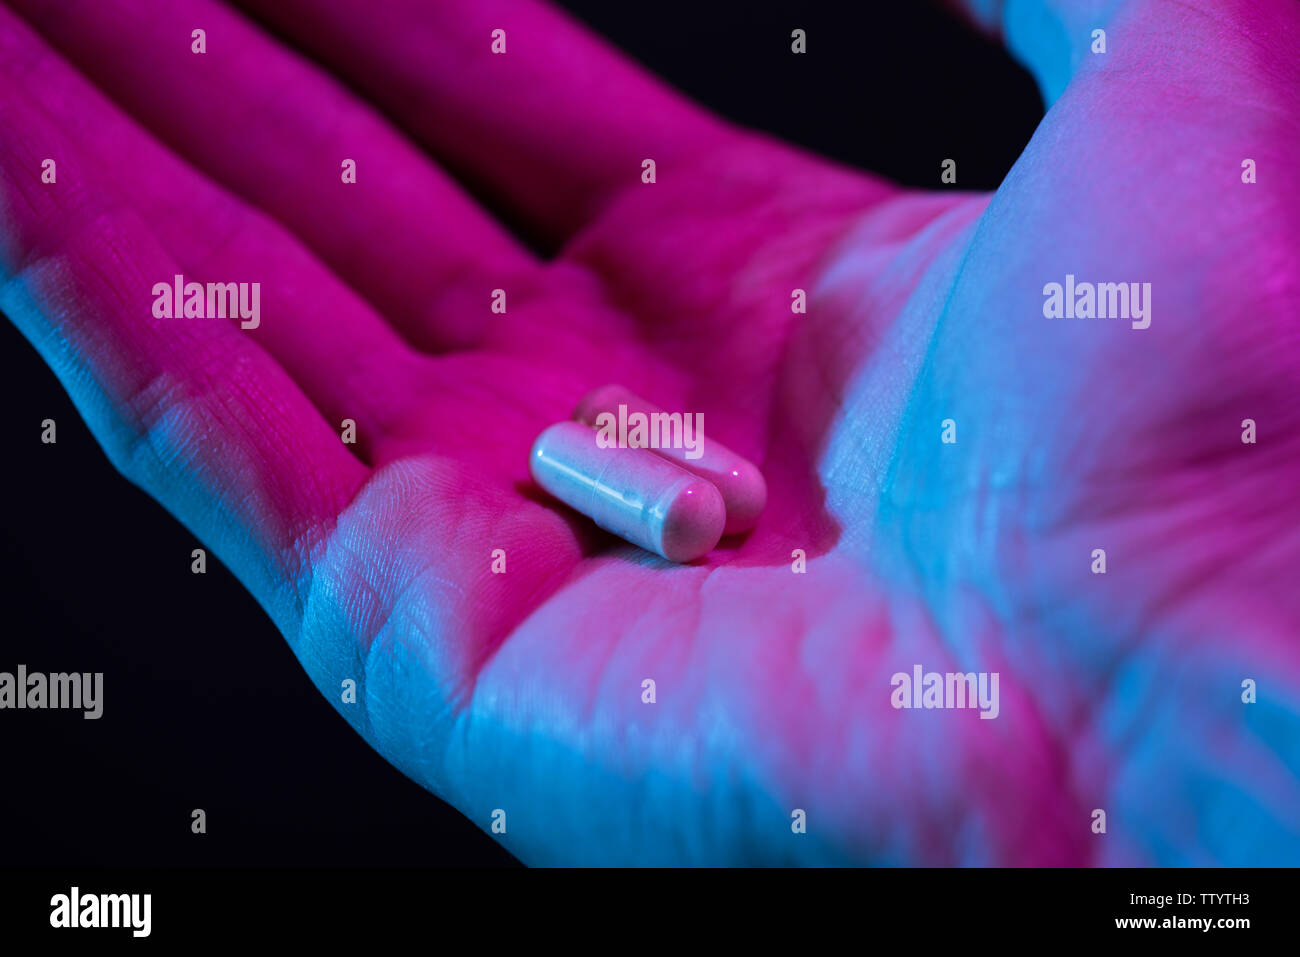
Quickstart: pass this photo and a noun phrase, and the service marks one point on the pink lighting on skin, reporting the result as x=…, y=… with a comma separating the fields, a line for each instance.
x=1118, y=691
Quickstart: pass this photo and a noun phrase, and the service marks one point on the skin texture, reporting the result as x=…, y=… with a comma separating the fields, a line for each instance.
x=522, y=691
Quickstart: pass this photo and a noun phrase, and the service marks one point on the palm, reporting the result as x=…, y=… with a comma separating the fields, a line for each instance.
x=524, y=691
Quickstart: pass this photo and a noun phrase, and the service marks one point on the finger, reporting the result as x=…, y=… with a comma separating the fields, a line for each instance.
x=346, y=359
x=276, y=130
x=193, y=412
x=556, y=126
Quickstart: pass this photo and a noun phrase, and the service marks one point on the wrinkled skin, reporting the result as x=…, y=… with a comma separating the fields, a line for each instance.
x=523, y=691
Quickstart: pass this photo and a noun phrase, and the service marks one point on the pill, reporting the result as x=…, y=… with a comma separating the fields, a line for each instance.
x=744, y=492
x=629, y=491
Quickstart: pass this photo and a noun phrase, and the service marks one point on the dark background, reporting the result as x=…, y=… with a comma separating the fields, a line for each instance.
x=205, y=707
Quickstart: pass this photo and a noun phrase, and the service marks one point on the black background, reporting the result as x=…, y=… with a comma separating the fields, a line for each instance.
x=205, y=707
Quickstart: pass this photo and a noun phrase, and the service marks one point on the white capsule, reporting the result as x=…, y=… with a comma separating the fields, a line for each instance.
x=744, y=491
x=633, y=493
